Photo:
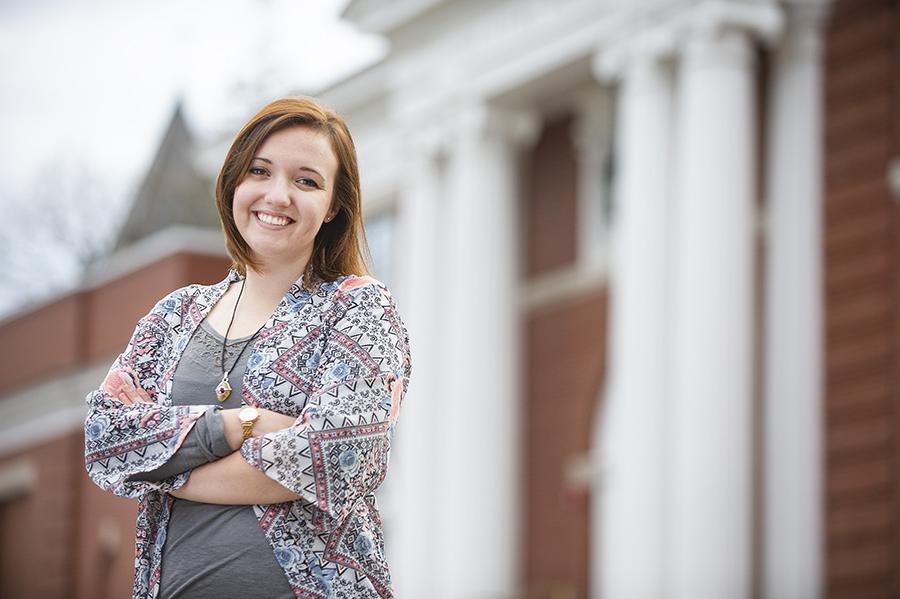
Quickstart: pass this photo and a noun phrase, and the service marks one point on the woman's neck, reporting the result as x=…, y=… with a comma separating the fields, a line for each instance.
x=271, y=285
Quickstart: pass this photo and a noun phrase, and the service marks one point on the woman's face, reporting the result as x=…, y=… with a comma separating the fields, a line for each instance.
x=285, y=196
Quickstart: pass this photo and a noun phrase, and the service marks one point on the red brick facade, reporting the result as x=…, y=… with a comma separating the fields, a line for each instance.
x=564, y=362
x=565, y=366
x=862, y=289
x=65, y=537
x=550, y=202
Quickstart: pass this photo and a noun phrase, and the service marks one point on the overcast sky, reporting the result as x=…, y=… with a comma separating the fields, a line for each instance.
x=97, y=79
x=94, y=82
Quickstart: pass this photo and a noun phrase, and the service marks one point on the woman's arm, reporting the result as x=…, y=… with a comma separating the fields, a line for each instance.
x=124, y=439
x=232, y=481
x=337, y=450
x=217, y=434
x=127, y=433
x=206, y=442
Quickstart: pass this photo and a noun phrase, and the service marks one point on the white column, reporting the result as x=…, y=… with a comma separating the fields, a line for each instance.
x=711, y=454
x=410, y=539
x=793, y=539
x=480, y=402
x=592, y=137
x=632, y=439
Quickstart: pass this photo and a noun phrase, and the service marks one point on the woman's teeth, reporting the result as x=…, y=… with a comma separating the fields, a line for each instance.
x=273, y=220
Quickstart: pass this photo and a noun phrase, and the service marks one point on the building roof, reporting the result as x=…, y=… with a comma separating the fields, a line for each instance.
x=174, y=191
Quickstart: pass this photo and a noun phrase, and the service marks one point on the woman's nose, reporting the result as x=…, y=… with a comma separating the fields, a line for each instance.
x=279, y=191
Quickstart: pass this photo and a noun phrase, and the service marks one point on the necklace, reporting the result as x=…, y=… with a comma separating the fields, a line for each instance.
x=223, y=389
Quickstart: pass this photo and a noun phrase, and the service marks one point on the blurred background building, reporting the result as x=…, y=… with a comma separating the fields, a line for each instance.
x=648, y=254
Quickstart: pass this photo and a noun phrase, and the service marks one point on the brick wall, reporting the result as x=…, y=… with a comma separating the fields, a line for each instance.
x=862, y=279
x=549, y=200
x=37, y=529
x=67, y=538
x=91, y=325
x=564, y=361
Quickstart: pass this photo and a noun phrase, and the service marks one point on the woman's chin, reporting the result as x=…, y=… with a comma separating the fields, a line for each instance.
x=275, y=256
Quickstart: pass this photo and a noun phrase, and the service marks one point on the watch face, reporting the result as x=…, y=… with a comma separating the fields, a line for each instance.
x=248, y=414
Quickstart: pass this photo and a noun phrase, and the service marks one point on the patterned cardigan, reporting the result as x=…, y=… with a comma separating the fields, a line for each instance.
x=336, y=358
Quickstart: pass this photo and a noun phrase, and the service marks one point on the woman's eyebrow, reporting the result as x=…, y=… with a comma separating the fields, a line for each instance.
x=312, y=170
x=302, y=168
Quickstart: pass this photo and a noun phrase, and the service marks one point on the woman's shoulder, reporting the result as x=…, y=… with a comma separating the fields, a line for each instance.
x=175, y=301
x=362, y=286
x=347, y=283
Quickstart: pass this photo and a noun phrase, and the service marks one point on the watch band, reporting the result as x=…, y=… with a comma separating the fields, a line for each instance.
x=247, y=426
x=247, y=417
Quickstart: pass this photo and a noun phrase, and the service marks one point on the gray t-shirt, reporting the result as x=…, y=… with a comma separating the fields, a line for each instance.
x=212, y=551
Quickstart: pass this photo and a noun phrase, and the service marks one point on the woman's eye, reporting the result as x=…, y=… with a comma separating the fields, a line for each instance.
x=309, y=182
x=255, y=170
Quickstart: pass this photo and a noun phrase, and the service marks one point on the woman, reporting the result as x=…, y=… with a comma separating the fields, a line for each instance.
x=253, y=417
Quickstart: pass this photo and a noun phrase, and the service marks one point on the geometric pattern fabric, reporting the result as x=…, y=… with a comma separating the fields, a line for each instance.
x=338, y=359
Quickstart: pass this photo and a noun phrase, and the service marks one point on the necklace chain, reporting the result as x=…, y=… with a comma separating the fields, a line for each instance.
x=223, y=389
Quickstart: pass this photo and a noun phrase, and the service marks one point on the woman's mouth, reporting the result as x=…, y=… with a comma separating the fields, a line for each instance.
x=272, y=221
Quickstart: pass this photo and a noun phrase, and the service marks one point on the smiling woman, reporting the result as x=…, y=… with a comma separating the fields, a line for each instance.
x=275, y=227
x=268, y=491
x=283, y=149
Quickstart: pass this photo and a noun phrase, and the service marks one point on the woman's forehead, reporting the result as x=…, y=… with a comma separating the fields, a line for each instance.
x=295, y=145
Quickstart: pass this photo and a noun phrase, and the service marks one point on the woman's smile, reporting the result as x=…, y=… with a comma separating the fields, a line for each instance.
x=275, y=222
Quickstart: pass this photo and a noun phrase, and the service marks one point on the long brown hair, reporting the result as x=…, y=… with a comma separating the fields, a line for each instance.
x=339, y=244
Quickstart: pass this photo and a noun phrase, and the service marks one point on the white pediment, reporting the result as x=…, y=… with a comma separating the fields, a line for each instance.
x=384, y=16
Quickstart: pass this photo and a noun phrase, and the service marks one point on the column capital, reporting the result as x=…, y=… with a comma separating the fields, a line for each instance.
x=662, y=34
x=517, y=127
x=593, y=123
x=721, y=32
x=804, y=24
x=807, y=12
x=644, y=47
x=711, y=18
x=431, y=140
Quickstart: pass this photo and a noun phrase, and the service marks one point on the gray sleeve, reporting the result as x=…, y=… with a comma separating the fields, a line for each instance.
x=206, y=442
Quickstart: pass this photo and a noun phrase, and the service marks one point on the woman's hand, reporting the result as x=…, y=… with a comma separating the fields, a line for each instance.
x=122, y=385
x=268, y=421
x=231, y=480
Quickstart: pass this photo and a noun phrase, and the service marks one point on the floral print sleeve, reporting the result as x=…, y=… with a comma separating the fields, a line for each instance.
x=122, y=440
x=337, y=450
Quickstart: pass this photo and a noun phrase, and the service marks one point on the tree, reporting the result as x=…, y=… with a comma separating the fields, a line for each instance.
x=57, y=226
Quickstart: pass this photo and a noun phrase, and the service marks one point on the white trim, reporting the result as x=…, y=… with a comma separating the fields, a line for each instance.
x=560, y=285
x=383, y=17
x=357, y=92
x=42, y=429
x=569, y=40
x=893, y=177
x=160, y=245
x=47, y=411
x=17, y=478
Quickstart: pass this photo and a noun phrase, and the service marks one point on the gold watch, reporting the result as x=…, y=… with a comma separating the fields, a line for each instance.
x=248, y=416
